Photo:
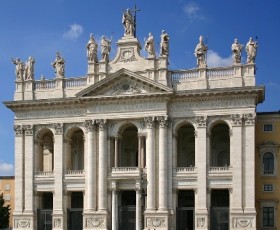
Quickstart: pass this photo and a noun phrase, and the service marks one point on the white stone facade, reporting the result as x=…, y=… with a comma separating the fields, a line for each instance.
x=132, y=126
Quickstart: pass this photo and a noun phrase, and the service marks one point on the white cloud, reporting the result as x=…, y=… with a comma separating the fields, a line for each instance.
x=6, y=169
x=74, y=32
x=193, y=11
x=215, y=60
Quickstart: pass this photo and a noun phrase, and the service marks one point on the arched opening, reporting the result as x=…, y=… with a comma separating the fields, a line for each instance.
x=129, y=147
x=186, y=146
x=220, y=146
x=77, y=150
x=45, y=154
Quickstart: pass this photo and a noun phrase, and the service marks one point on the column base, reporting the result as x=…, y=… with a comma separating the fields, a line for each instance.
x=23, y=221
x=95, y=220
x=157, y=220
x=239, y=221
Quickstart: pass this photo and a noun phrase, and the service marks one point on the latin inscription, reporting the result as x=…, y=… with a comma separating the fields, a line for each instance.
x=47, y=114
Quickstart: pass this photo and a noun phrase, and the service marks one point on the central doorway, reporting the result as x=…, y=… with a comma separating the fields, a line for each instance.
x=127, y=210
x=185, y=210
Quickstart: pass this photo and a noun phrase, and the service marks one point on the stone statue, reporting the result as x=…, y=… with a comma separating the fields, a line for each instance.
x=92, y=50
x=105, y=48
x=150, y=46
x=29, y=69
x=58, y=65
x=19, y=70
x=236, y=49
x=164, y=44
x=200, y=53
x=128, y=23
x=251, y=49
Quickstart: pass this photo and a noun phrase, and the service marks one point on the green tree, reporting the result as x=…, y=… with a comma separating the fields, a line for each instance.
x=4, y=213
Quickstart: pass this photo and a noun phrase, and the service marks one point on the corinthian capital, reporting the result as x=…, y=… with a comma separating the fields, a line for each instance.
x=236, y=119
x=102, y=124
x=58, y=127
x=149, y=122
x=249, y=118
x=18, y=129
x=163, y=121
x=28, y=130
x=90, y=126
x=201, y=121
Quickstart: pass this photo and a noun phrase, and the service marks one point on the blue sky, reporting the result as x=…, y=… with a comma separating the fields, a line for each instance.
x=39, y=28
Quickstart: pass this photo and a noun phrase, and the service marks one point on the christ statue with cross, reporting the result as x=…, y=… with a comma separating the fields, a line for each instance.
x=129, y=22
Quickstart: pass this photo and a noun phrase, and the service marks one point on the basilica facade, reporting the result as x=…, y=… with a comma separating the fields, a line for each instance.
x=135, y=145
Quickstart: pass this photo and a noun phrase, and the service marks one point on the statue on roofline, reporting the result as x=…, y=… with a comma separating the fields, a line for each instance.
x=150, y=46
x=20, y=68
x=105, y=48
x=59, y=66
x=29, y=69
x=251, y=49
x=236, y=49
x=164, y=44
x=200, y=53
x=128, y=23
x=92, y=50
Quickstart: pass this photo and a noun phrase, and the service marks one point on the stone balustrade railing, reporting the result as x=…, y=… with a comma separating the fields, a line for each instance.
x=220, y=72
x=184, y=75
x=45, y=84
x=75, y=82
x=219, y=169
x=44, y=173
x=185, y=169
x=125, y=169
x=72, y=172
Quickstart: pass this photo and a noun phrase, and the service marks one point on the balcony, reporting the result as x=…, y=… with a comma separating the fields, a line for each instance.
x=126, y=172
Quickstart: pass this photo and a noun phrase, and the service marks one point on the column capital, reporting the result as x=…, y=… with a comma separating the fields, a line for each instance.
x=18, y=130
x=149, y=122
x=90, y=125
x=102, y=124
x=58, y=127
x=201, y=121
x=28, y=130
x=163, y=121
x=236, y=119
x=249, y=118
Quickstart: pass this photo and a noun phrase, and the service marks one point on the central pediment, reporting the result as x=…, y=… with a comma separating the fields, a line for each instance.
x=124, y=83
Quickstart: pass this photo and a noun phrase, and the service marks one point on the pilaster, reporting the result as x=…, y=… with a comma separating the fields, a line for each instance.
x=201, y=208
x=58, y=214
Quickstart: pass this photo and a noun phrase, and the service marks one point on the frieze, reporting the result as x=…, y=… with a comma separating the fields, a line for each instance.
x=156, y=222
x=48, y=114
x=127, y=107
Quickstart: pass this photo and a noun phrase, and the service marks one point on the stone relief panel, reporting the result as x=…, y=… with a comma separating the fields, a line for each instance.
x=22, y=223
x=242, y=222
x=95, y=222
x=127, y=55
x=156, y=222
x=201, y=222
x=57, y=222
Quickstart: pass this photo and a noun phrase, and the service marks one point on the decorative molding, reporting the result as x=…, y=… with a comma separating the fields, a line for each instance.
x=200, y=222
x=95, y=222
x=249, y=118
x=156, y=222
x=201, y=121
x=57, y=222
x=236, y=119
x=28, y=130
x=18, y=130
x=242, y=222
x=22, y=223
x=127, y=55
x=58, y=127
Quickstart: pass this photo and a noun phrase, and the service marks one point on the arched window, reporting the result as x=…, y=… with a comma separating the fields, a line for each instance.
x=47, y=152
x=129, y=147
x=220, y=146
x=268, y=164
x=77, y=150
x=186, y=146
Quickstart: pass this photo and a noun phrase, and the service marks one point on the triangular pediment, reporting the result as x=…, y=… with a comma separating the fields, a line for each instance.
x=122, y=83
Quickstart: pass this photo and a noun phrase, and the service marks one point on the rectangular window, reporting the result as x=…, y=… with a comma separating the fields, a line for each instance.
x=268, y=188
x=7, y=187
x=267, y=128
x=7, y=197
x=268, y=216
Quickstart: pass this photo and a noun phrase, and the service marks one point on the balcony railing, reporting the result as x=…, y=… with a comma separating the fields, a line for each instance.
x=44, y=173
x=71, y=172
x=185, y=169
x=219, y=169
x=268, y=172
x=126, y=171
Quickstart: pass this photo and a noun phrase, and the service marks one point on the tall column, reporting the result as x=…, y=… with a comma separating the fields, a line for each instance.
x=102, y=169
x=236, y=151
x=139, y=151
x=19, y=170
x=58, y=215
x=150, y=163
x=249, y=163
x=115, y=223
x=116, y=138
x=90, y=177
x=170, y=166
x=201, y=212
x=163, y=158
x=138, y=207
x=29, y=169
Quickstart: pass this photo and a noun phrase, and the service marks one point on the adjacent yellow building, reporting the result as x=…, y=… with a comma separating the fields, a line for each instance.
x=267, y=166
x=7, y=187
